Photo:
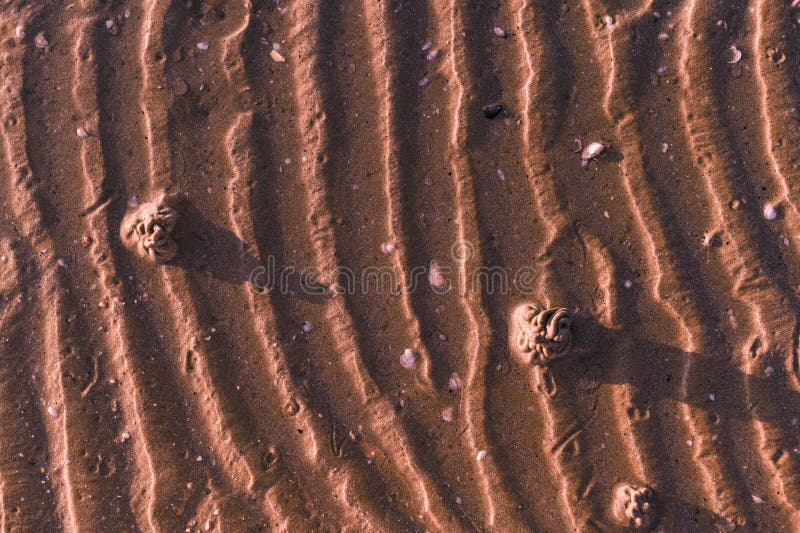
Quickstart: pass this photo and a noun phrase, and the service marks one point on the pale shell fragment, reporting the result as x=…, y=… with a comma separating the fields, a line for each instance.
x=53, y=412
x=500, y=32
x=408, y=358
x=770, y=213
x=80, y=132
x=40, y=41
x=733, y=55
x=203, y=45
x=592, y=150
x=276, y=56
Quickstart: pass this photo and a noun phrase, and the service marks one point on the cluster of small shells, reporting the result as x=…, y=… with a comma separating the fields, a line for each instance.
x=633, y=506
x=540, y=336
x=147, y=231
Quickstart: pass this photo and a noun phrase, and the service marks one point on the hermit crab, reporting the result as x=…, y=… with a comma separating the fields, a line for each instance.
x=147, y=231
x=633, y=506
x=538, y=336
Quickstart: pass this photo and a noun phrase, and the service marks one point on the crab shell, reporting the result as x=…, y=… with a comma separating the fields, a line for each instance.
x=537, y=336
x=147, y=231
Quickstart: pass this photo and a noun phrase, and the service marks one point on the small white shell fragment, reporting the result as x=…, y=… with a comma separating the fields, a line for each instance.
x=756, y=499
x=40, y=41
x=770, y=213
x=592, y=150
x=769, y=371
x=202, y=45
x=53, y=412
x=20, y=31
x=664, y=148
x=500, y=32
x=423, y=82
x=433, y=54
x=435, y=277
x=109, y=24
x=733, y=55
x=712, y=397
x=481, y=455
x=455, y=382
x=408, y=358
x=447, y=414
x=387, y=248
x=80, y=132
x=426, y=46
x=125, y=436
x=663, y=36
x=628, y=284
x=307, y=326
x=276, y=56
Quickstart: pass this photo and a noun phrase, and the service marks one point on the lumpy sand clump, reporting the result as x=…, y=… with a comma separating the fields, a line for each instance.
x=540, y=336
x=147, y=230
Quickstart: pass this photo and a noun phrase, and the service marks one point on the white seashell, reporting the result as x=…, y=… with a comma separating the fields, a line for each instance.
x=770, y=213
x=408, y=358
x=592, y=150
x=203, y=45
x=81, y=133
x=733, y=55
x=500, y=32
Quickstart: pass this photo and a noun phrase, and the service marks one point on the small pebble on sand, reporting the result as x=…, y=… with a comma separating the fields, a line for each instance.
x=203, y=45
x=53, y=412
x=481, y=455
x=387, y=248
x=276, y=56
x=492, y=111
x=733, y=55
x=81, y=133
x=628, y=284
x=500, y=32
x=433, y=54
x=307, y=327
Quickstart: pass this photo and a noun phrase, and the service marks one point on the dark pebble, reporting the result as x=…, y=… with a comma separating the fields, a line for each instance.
x=492, y=110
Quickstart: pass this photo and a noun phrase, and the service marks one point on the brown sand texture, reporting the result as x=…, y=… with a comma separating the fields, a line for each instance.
x=399, y=265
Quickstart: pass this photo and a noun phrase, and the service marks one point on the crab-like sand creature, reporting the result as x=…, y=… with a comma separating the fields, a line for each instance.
x=540, y=336
x=147, y=231
x=633, y=506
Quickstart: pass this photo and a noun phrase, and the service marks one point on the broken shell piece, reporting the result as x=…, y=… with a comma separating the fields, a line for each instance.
x=770, y=213
x=733, y=55
x=538, y=336
x=147, y=231
x=592, y=150
x=40, y=41
x=500, y=32
x=633, y=507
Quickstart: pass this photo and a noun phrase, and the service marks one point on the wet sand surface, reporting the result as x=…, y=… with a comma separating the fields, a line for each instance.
x=394, y=265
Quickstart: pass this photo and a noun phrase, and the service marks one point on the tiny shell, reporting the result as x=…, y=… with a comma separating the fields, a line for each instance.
x=81, y=132
x=756, y=499
x=276, y=56
x=481, y=455
x=592, y=150
x=387, y=247
x=733, y=55
x=40, y=41
x=20, y=31
x=770, y=213
x=53, y=412
x=500, y=32
x=433, y=54
x=408, y=358
x=203, y=45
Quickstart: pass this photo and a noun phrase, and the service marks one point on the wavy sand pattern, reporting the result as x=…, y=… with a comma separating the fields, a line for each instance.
x=289, y=265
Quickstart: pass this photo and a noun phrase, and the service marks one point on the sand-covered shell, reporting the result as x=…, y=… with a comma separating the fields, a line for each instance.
x=537, y=336
x=147, y=231
x=633, y=507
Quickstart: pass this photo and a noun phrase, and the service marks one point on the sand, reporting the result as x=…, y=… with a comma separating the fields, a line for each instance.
x=364, y=265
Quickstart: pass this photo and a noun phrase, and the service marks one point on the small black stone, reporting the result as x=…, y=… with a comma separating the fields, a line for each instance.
x=492, y=110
